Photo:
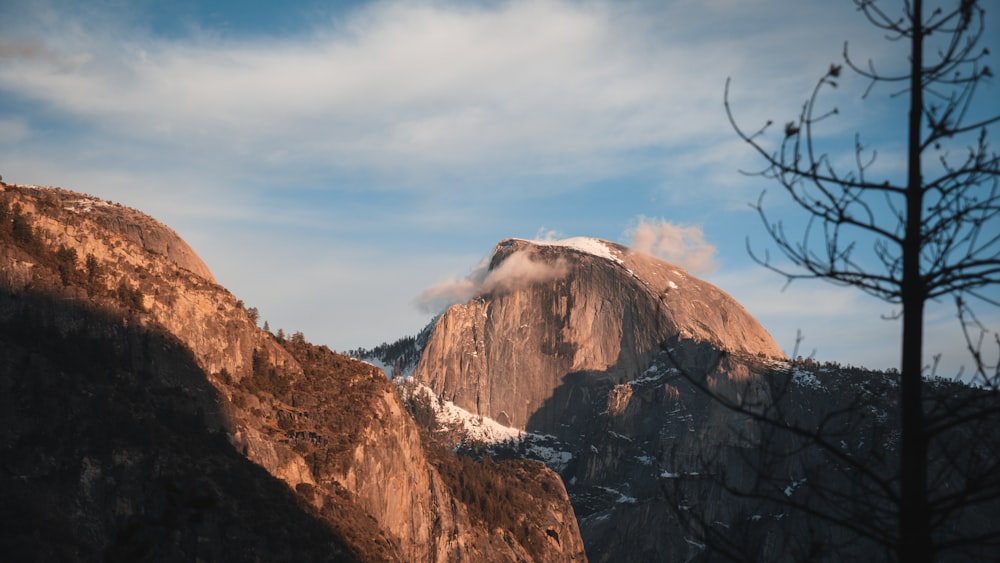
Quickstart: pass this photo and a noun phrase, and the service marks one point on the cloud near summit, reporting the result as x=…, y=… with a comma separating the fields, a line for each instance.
x=683, y=246
x=517, y=270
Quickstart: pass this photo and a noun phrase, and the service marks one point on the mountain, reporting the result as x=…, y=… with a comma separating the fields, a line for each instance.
x=146, y=416
x=680, y=430
x=578, y=344
x=556, y=317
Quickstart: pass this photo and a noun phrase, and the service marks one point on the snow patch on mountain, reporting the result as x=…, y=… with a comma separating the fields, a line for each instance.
x=556, y=459
x=587, y=245
x=85, y=205
x=483, y=431
x=475, y=428
x=654, y=374
x=806, y=378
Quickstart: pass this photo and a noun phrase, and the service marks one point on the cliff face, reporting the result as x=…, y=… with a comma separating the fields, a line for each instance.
x=581, y=343
x=146, y=415
x=555, y=318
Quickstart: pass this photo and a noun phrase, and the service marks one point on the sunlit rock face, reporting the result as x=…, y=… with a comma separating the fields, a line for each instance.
x=146, y=416
x=554, y=318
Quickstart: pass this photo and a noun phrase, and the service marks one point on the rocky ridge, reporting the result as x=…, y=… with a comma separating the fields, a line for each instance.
x=107, y=302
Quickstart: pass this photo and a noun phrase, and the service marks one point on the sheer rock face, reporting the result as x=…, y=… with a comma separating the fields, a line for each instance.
x=582, y=342
x=180, y=359
x=552, y=318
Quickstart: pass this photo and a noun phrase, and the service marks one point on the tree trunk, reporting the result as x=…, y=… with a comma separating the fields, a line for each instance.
x=914, y=519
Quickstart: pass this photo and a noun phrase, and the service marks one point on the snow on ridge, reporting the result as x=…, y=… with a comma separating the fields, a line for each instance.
x=486, y=431
x=587, y=245
x=476, y=428
x=28, y=186
x=480, y=429
x=85, y=204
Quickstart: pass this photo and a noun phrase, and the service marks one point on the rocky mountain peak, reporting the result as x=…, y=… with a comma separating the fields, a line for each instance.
x=594, y=247
x=553, y=314
x=698, y=310
x=64, y=214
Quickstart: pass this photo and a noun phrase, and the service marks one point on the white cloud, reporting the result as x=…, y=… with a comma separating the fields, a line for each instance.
x=549, y=235
x=549, y=88
x=684, y=246
x=454, y=290
x=517, y=270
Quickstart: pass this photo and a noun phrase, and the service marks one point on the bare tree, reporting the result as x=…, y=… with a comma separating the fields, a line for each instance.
x=935, y=233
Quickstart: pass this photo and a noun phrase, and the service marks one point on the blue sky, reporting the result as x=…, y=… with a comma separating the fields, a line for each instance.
x=331, y=161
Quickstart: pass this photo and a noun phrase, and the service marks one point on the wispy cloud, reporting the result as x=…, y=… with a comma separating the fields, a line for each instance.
x=684, y=246
x=515, y=271
x=453, y=290
x=519, y=270
x=552, y=89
